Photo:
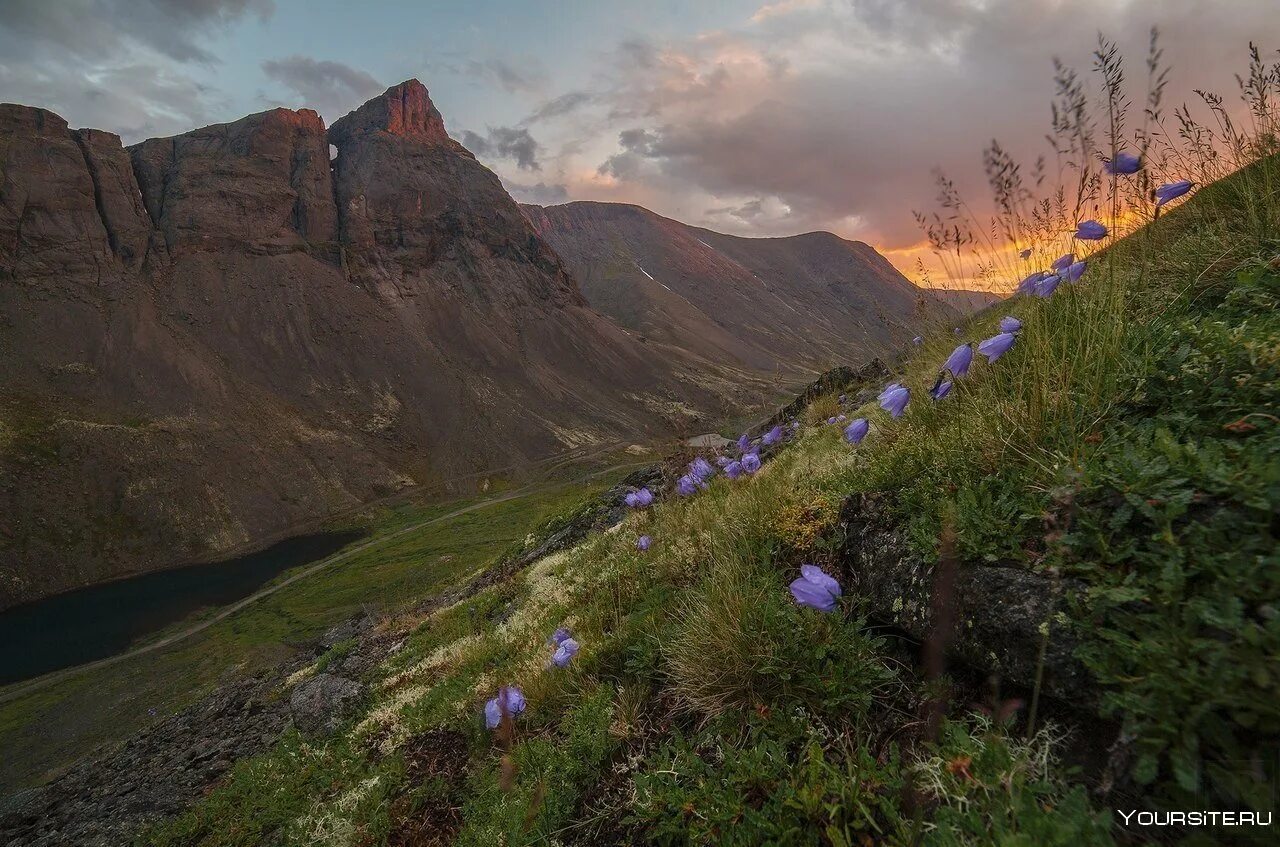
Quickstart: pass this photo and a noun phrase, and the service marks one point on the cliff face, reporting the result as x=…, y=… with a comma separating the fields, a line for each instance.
x=210, y=338
x=795, y=305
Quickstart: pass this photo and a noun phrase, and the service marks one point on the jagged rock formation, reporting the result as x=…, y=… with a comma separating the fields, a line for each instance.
x=211, y=338
x=795, y=305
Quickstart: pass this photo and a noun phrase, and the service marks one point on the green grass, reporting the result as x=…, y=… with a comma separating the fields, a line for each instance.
x=48, y=729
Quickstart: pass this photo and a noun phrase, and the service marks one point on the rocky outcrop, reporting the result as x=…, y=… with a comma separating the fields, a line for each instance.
x=155, y=774
x=51, y=231
x=1003, y=616
x=262, y=181
x=321, y=704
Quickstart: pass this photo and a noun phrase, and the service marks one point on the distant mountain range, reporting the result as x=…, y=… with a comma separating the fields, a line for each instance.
x=792, y=305
x=211, y=338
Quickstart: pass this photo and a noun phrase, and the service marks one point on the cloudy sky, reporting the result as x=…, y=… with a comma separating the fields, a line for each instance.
x=744, y=116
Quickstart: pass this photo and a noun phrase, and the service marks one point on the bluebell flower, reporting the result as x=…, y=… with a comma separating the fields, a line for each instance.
x=1172, y=191
x=750, y=462
x=744, y=443
x=510, y=701
x=1028, y=285
x=1046, y=286
x=1074, y=271
x=1090, y=231
x=687, y=485
x=559, y=635
x=856, y=431
x=733, y=470
x=889, y=389
x=640, y=499
x=815, y=589
x=565, y=653
x=996, y=346
x=1124, y=164
x=1062, y=261
x=1010, y=324
x=895, y=402
x=831, y=420
x=643, y=543
x=941, y=388
x=959, y=360
x=701, y=469
x=772, y=437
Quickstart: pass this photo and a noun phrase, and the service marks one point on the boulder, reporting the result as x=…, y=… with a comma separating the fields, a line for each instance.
x=321, y=704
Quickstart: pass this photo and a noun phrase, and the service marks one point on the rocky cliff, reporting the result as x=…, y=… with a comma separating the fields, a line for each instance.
x=208, y=339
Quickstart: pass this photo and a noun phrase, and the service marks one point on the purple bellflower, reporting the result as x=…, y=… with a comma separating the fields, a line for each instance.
x=1028, y=285
x=997, y=345
x=895, y=402
x=816, y=589
x=1090, y=231
x=643, y=543
x=772, y=437
x=1063, y=261
x=751, y=462
x=1172, y=191
x=733, y=470
x=856, y=431
x=1123, y=164
x=640, y=499
x=559, y=635
x=701, y=470
x=1010, y=324
x=941, y=388
x=565, y=653
x=1046, y=286
x=510, y=701
x=959, y=360
x=1074, y=271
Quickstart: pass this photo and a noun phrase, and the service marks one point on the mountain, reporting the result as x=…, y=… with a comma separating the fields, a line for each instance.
x=796, y=304
x=210, y=338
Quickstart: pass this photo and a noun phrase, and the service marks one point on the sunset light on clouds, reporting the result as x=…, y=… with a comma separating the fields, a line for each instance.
x=747, y=118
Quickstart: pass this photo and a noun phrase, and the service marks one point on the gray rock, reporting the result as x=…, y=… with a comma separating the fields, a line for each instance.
x=999, y=613
x=322, y=703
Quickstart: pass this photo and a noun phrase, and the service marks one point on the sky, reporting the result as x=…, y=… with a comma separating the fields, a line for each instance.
x=749, y=117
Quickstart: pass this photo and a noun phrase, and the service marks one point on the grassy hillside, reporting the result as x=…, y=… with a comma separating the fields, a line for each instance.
x=420, y=548
x=1126, y=448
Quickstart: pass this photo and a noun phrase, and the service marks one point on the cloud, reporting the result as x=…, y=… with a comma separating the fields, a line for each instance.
x=832, y=114
x=558, y=107
x=517, y=80
x=505, y=142
x=331, y=88
x=539, y=194
x=123, y=65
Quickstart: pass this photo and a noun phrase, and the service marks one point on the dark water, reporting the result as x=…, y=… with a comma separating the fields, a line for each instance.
x=102, y=620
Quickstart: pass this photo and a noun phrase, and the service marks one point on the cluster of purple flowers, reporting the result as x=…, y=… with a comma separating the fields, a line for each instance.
x=508, y=703
x=566, y=647
x=639, y=499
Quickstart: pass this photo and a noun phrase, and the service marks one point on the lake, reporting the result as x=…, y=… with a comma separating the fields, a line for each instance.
x=102, y=620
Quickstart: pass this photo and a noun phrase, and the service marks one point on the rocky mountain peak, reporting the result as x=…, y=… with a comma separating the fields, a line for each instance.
x=405, y=110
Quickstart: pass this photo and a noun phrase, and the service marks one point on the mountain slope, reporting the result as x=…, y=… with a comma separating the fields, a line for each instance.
x=212, y=337
x=795, y=304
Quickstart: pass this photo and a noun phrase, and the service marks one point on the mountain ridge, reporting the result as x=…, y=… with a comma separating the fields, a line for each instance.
x=798, y=304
